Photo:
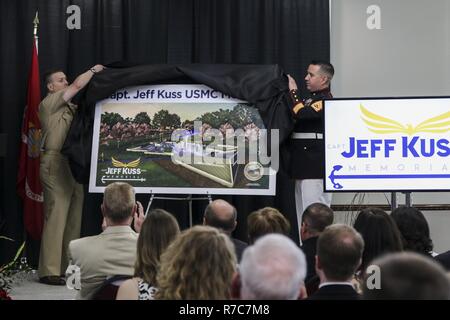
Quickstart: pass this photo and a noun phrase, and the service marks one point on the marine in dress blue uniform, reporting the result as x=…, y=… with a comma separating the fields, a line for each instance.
x=306, y=144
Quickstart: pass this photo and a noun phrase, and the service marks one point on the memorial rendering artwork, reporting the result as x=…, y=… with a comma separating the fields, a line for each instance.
x=187, y=139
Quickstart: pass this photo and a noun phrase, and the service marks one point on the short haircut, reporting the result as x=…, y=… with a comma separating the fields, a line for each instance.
x=119, y=201
x=325, y=67
x=266, y=220
x=158, y=230
x=216, y=220
x=380, y=234
x=273, y=268
x=414, y=229
x=47, y=77
x=198, y=264
x=407, y=275
x=317, y=217
x=340, y=249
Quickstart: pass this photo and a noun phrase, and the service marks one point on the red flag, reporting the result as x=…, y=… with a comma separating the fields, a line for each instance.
x=28, y=181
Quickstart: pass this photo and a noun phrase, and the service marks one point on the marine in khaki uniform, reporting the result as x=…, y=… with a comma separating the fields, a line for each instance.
x=306, y=143
x=63, y=196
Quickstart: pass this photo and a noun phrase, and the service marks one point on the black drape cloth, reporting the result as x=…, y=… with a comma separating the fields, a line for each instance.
x=289, y=33
x=265, y=86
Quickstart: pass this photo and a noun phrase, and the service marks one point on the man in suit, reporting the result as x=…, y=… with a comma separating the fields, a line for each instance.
x=222, y=215
x=306, y=144
x=444, y=260
x=339, y=253
x=113, y=252
x=315, y=219
x=63, y=196
x=273, y=268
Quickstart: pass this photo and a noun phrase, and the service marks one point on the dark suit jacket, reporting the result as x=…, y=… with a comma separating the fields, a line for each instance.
x=444, y=260
x=335, y=292
x=309, y=248
x=239, y=247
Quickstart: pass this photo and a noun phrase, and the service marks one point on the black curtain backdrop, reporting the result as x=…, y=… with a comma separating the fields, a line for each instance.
x=289, y=33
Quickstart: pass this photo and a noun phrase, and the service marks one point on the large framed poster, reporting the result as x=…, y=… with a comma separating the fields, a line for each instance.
x=381, y=144
x=186, y=139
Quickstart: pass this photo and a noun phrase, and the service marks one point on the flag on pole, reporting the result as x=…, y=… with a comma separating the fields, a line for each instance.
x=28, y=181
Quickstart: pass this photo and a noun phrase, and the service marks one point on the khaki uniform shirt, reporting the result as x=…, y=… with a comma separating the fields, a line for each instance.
x=55, y=115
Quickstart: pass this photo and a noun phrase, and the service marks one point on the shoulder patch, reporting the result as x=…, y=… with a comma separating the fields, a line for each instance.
x=317, y=106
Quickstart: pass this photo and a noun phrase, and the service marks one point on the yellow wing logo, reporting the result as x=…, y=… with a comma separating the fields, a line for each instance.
x=380, y=124
x=120, y=164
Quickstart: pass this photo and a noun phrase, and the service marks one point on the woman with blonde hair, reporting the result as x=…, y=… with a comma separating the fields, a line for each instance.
x=199, y=265
x=159, y=229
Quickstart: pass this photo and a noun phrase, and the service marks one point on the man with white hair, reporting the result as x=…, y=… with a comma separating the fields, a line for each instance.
x=274, y=268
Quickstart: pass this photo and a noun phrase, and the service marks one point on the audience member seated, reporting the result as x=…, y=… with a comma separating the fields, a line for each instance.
x=380, y=234
x=444, y=260
x=273, y=268
x=339, y=254
x=158, y=230
x=264, y=221
x=112, y=252
x=407, y=275
x=315, y=219
x=414, y=230
x=198, y=265
x=222, y=215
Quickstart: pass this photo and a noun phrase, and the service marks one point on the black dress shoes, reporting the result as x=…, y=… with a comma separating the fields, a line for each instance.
x=53, y=280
